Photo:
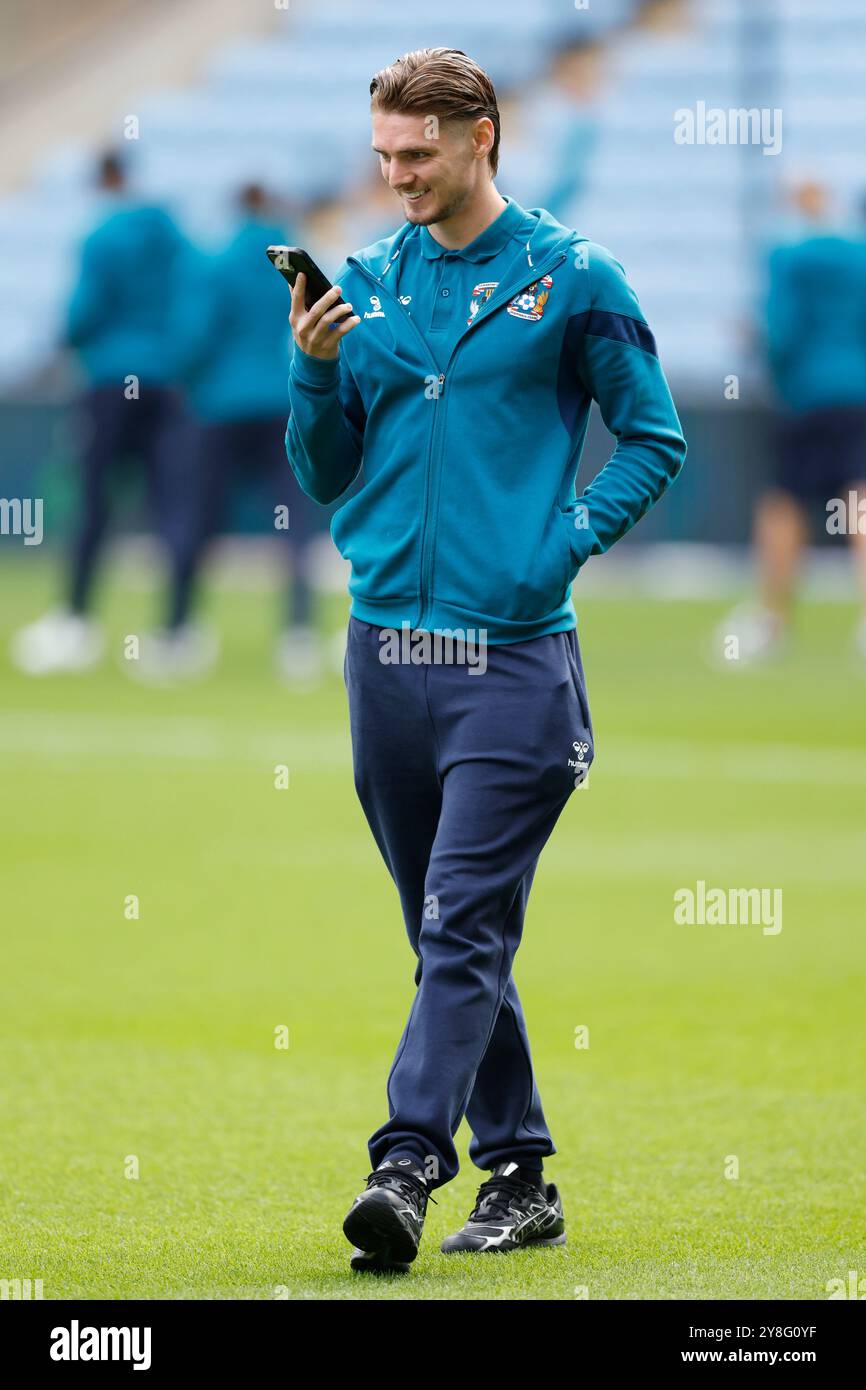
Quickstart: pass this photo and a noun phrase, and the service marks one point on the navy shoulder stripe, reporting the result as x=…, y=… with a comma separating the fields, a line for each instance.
x=601, y=323
x=571, y=395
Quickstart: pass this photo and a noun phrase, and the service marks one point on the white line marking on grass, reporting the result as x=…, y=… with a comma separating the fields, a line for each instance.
x=728, y=857
x=176, y=736
x=26, y=734
x=678, y=759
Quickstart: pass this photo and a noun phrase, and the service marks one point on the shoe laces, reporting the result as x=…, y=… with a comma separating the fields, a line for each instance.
x=496, y=1196
x=413, y=1188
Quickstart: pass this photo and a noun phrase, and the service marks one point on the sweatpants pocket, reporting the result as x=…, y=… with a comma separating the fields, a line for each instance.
x=572, y=653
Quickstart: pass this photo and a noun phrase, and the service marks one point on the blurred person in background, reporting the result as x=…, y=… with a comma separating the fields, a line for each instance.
x=118, y=323
x=232, y=348
x=560, y=117
x=816, y=350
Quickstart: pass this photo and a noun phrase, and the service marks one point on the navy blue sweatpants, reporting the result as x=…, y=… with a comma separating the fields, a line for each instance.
x=148, y=429
x=462, y=778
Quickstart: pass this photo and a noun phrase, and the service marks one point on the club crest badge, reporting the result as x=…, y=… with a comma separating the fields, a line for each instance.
x=529, y=304
x=480, y=296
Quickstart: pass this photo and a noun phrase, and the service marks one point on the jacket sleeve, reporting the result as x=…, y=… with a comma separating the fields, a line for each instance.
x=325, y=435
x=618, y=364
x=90, y=304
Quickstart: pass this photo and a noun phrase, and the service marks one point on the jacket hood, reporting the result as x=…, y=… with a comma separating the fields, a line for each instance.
x=548, y=236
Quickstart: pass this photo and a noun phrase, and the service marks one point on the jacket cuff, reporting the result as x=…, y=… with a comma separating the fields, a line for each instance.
x=314, y=371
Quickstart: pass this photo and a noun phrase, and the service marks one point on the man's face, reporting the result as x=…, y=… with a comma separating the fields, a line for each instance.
x=434, y=166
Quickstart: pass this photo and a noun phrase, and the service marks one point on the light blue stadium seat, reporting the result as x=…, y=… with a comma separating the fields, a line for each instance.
x=291, y=109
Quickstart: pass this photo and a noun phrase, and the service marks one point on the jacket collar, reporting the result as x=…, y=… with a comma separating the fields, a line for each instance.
x=547, y=236
x=488, y=243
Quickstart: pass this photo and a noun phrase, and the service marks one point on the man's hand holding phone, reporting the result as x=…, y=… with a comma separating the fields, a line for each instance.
x=318, y=330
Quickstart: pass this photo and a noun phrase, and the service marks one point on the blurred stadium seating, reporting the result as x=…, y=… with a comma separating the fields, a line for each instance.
x=588, y=97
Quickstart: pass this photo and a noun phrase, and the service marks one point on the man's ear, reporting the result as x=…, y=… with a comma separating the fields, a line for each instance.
x=482, y=137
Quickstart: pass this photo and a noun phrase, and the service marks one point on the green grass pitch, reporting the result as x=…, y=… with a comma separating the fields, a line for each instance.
x=262, y=907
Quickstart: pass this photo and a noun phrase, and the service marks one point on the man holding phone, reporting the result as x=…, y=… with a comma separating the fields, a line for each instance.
x=486, y=331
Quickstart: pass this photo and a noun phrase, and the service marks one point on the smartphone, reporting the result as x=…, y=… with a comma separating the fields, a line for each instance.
x=290, y=260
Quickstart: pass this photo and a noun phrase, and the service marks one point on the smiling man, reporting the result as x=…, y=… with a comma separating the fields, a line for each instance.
x=459, y=374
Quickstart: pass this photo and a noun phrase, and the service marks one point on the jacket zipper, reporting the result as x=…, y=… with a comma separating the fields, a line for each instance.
x=504, y=295
x=493, y=303
x=427, y=563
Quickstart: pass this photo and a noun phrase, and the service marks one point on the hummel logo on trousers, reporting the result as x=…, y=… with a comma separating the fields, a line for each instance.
x=462, y=779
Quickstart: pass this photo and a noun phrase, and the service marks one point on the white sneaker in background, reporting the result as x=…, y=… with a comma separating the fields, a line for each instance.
x=748, y=635
x=59, y=641
x=165, y=657
x=299, y=657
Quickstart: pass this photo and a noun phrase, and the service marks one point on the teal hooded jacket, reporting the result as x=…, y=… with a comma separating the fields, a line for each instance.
x=468, y=517
x=119, y=316
x=816, y=322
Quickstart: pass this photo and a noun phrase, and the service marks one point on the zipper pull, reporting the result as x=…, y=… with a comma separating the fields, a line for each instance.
x=441, y=383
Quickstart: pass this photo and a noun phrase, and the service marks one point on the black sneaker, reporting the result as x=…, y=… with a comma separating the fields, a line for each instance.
x=510, y=1213
x=385, y=1222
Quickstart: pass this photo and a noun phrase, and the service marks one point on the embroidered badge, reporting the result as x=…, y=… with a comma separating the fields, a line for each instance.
x=530, y=303
x=480, y=296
